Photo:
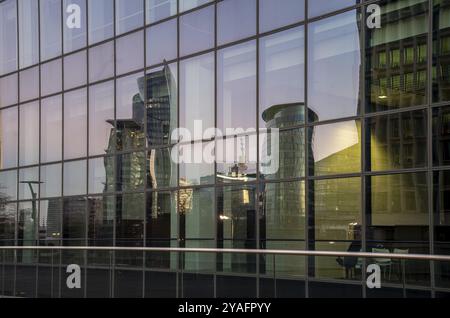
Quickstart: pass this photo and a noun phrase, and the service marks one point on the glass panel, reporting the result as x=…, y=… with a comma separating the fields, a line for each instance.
x=8, y=186
x=441, y=51
x=335, y=148
x=194, y=169
x=29, y=134
x=161, y=218
x=51, y=78
x=75, y=38
x=397, y=212
x=162, y=42
x=190, y=4
x=9, y=135
x=319, y=7
x=102, y=212
x=51, y=129
x=334, y=74
x=398, y=141
x=396, y=57
x=28, y=183
x=236, y=76
x=74, y=224
x=162, y=110
x=441, y=131
x=8, y=34
x=8, y=90
x=7, y=227
x=130, y=128
x=282, y=83
x=161, y=169
x=50, y=219
x=236, y=20
x=50, y=29
x=75, y=70
x=29, y=84
x=197, y=94
x=101, y=62
x=130, y=219
x=284, y=211
x=28, y=32
x=75, y=178
x=75, y=124
x=197, y=206
x=26, y=229
x=197, y=31
x=273, y=15
x=131, y=171
x=101, y=175
x=130, y=60
x=51, y=177
x=336, y=211
x=101, y=118
x=282, y=154
x=129, y=15
x=101, y=20
x=160, y=9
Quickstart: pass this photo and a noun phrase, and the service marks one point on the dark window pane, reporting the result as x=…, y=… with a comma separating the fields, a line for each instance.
x=319, y=7
x=236, y=20
x=334, y=74
x=9, y=135
x=75, y=38
x=26, y=229
x=131, y=171
x=161, y=214
x=74, y=224
x=29, y=134
x=50, y=222
x=50, y=29
x=8, y=90
x=335, y=148
x=7, y=227
x=162, y=42
x=8, y=34
x=102, y=211
x=396, y=57
x=160, y=9
x=441, y=132
x=51, y=129
x=274, y=14
x=101, y=20
x=75, y=124
x=130, y=209
x=282, y=83
x=398, y=141
x=441, y=51
x=197, y=31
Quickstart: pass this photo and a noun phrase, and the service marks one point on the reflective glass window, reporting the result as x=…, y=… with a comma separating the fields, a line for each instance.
x=101, y=175
x=75, y=178
x=51, y=77
x=319, y=7
x=101, y=118
x=190, y=4
x=26, y=228
x=75, y=38
x=197, y=31
x=396, y=57
x=441, y=217
x=130, y=211
x=282, y=83
x=198, y=206
x=29, y=134
x=29, y=84
x=161, y=169
x=161, y=218
x=131, y=169
x=129, y=113
x=28, y=183
x=101, y=224
x=8, y=90
x=127, y=59
x=101, y=62
x=9, y=135
x=274, y=15
x=8, y=212
x=195, y=170
x=334, y=74
x=236, y=20
x=335, y=148
x=50, y=219
x=75, y=124
x=129, y=15
x=441, y=142
x=162, y=42
x=160, y=9
x=197, y=94
x=8, y=34
x=51, y=178
x=50, y=28
x=101, y=20
x=28, y=32
x=441, y=51
x=398, y=141
x=75, y=70
x=8, y=185
x=73, y=223
x=51, y=129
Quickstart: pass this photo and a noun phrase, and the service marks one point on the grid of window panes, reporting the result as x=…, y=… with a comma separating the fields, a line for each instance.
x=88, y=114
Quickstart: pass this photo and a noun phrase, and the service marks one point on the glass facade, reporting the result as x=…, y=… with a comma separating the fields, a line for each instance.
x=88, y=119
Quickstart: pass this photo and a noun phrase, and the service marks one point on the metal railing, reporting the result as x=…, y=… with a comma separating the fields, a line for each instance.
x=30, y=271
